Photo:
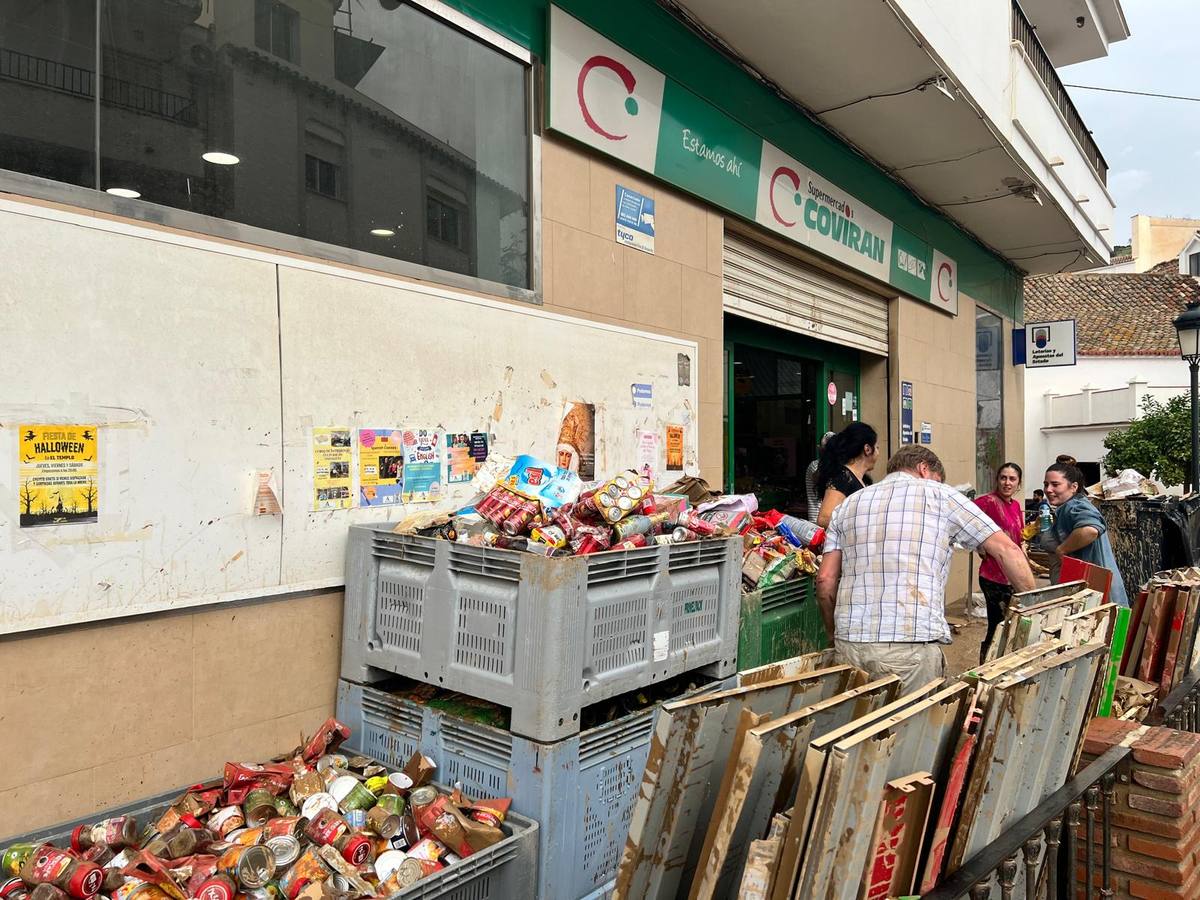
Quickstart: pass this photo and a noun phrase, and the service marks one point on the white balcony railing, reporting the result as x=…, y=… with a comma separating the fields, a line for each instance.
x=1117, y=406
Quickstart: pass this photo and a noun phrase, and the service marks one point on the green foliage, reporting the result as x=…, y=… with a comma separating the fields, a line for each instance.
x=1157, y=444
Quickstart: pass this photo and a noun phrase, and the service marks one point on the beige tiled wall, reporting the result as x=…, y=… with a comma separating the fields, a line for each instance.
x=100, y=715
x=675, y=291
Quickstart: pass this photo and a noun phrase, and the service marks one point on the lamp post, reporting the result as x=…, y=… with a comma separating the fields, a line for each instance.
x=1187, y=327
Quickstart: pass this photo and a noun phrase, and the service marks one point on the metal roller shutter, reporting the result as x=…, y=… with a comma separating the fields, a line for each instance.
x=765, y=286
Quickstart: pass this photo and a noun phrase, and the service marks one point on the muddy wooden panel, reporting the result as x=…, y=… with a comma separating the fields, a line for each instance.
x=1154, y=649
x=948, y=805
x=760, y=869
x=1090, y=626
x=680, y=780
x=1031, y=725
x=786, y=668
x=763, y=779
x=808, y=783
x=1189, y=634
x=899, y=833
x=919, y=738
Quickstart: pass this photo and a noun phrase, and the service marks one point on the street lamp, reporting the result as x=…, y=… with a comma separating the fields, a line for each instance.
x=1187, y=326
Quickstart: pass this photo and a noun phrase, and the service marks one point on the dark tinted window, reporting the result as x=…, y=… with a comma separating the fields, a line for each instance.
x=383, y=130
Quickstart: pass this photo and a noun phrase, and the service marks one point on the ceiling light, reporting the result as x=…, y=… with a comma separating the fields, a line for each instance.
x=943, y=85
x=382, y=232
x=218, y=158
x=127, y=193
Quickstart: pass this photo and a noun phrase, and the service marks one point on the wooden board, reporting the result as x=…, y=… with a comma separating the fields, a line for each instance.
x=1133, y=661
x=1187, y=644
x=760, y=779
x=951, y=797
x=786, y=668
x=760, y=869
x=1097, y=578
x=688, y=750
x=1174, y=636
x=1134, y=639
x=1117, y=645
x=1154, y=650
x=899, y=833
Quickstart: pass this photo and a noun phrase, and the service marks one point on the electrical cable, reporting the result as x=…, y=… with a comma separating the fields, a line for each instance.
x=916, y=87
x=1092, y=87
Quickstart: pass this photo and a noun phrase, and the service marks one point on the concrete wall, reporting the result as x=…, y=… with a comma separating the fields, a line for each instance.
x=1101, y=373
x=1156, y=240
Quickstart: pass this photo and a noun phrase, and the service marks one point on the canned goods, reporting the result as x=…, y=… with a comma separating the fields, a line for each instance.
x=248, y=836
x=377, y=784
x=285, y=807
x=356, y=819
x=258, y=807
x=251, y=867
x=387, y=863
x=682, y=535
x=49, y=865
x=291, y=826
x=633, y=542
x=13, y=889
x=285, y=849
x=400, y=782
x=382, y=822
x=692, y=521
x=226, y=820
x=334, y=760
x=325, y=827
x=14, y=858
x=304, y=786
x=408, y=873
x=318, y=802
x=354, y=848
x=349, y=793
x=392, y=803
x=140, y=890
x=218, y=887
x=307, y=869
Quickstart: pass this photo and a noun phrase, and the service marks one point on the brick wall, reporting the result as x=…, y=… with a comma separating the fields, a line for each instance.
x=1155, y=815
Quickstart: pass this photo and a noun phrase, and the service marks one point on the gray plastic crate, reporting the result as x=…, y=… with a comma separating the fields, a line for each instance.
x=581, y=789
x=544, y=637
x=505, y=871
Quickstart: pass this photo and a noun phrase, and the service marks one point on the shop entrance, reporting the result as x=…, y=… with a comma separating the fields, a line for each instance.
x=784, y=391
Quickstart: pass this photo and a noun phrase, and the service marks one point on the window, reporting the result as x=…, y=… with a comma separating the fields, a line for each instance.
x=419, y=129
x=989, y=398
x=321, y=176
x=1194, y=264
x=277, y=29
x=444, y=219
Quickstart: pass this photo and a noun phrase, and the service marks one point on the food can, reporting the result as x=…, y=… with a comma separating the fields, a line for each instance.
x=15, y=889
x=682, y=535
x=285, y=849
x=49, y=864
x=387, y=863
x=356, y=819
x=325, y=827
x=258, y=807
x=291, y=826
x=318, y=802
x=226, y=820
x=409, y=872
x=400, y=782
x=248, y=837
x=376, y=784
x=218, y=887
x=251, y=867
x=691, y=520
x=349, y=792
x=285, y=807
x=305, y=786
x=451, y=858
x=382, y=822
x=334, y=760
x=307, y=869
x=393, y=803
x=354, y=848
x=14, y=858
x=140, y=890
x=633, y=542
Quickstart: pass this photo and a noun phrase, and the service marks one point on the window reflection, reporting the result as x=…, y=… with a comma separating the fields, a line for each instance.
x=366, y=124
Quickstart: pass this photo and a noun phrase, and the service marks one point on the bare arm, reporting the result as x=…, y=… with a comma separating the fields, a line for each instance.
x=1012, y=560
x=828, y=577
x=831, y=501
x=1078, y=539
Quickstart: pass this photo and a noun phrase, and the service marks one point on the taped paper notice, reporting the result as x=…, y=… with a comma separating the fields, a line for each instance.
x=60, y=475
x=266, y=495
x=674, y=448
x=331, y=453
x=423, y=465
x=380, y=466
x=662, y=645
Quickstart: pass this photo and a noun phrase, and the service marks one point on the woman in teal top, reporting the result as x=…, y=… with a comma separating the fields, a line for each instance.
x=1079, y=528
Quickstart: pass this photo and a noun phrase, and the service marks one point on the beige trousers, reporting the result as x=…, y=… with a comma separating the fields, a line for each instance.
x=915, y=664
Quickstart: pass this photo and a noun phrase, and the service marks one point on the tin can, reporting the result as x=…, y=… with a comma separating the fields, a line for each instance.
x=304, y=786
x=376, y=784
x=356, y=819
x=382, y=822
x=632, y=542
x=318, y=802
x=691, y=520
x=285, y=849
x=682, y=535
x=420, y=800
x=451, y=858
x=400, y=783
x=251, y=867
x=428, y=853
x=409, y=872
x=307, y=869
x=48, y=891
x=662, y=540
x=289, y=826
x=217, y=887
x=519, y=521
x=226, y=820
x=14, y=858
x=269, y=891
x=258, y=806
x=285, y=807
x=325, y=827
x=408, y=829
x=354, y=848
x=332, y=760
x=13, y=889
x=392, y=803
x=387, y=863
x=140, y=890
x=248, y=837
x=349, y=792
x=51, y=865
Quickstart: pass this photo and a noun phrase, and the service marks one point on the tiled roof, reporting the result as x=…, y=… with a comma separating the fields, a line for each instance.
x=1122, y=314
x=1166, y=267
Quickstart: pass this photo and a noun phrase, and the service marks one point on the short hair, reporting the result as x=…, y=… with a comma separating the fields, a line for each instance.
x=908, y=457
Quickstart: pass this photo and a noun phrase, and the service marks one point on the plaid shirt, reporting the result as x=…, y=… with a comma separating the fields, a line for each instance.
x=895, y=539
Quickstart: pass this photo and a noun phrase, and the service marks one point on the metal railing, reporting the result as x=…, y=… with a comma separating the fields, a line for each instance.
x=1024, y=32
x=1085, y=801
x=80, y=82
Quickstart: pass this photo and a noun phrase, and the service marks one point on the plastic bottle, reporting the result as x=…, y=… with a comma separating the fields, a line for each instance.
x=1044, y=519
x=801, y=532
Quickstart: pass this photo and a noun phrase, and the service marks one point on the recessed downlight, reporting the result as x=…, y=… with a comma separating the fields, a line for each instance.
x=382, y=232
x=127, y=193
x=220, y=158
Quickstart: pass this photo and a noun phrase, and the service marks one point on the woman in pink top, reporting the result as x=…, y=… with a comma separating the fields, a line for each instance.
x=1005, y=510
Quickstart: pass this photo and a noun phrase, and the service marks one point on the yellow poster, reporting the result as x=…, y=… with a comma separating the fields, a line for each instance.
x=331, y=468
x=380, y=466
x=674, y=448
x=59, y=475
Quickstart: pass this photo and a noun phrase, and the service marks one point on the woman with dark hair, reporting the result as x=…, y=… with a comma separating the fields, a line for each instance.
x=845, y=462
x=1002, y=507
x=1079, y=528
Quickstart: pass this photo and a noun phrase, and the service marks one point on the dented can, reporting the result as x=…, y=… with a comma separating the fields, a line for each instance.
x=251, y=867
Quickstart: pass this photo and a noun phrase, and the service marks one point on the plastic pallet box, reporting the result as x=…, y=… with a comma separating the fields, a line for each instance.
x=505, y=871
x=583, y=788
x=779, y=622
x=544, y=637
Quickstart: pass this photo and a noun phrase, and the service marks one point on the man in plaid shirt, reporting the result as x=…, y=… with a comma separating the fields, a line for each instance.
x=882, y=583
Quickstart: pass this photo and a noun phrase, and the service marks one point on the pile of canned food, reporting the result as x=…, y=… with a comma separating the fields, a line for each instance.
x=317, y=825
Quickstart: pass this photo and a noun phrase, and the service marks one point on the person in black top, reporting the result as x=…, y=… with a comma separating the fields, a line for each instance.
x=845, y=465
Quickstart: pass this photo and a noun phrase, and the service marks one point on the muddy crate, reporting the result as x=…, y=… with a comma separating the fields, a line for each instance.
x=581, y=789
x=779, y=622
x=543, y=637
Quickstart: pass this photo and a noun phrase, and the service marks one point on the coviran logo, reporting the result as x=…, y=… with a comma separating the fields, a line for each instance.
x=627, y=79
x=825, y=214
x=945, y=281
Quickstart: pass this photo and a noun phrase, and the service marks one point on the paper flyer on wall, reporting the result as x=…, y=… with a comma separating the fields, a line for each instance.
x=647, y=453
x=674, y=448
x=331, y=452
x=576, y=448
x=461, y=463
x=423, y=465
x=59, y=474
x=380, y=467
